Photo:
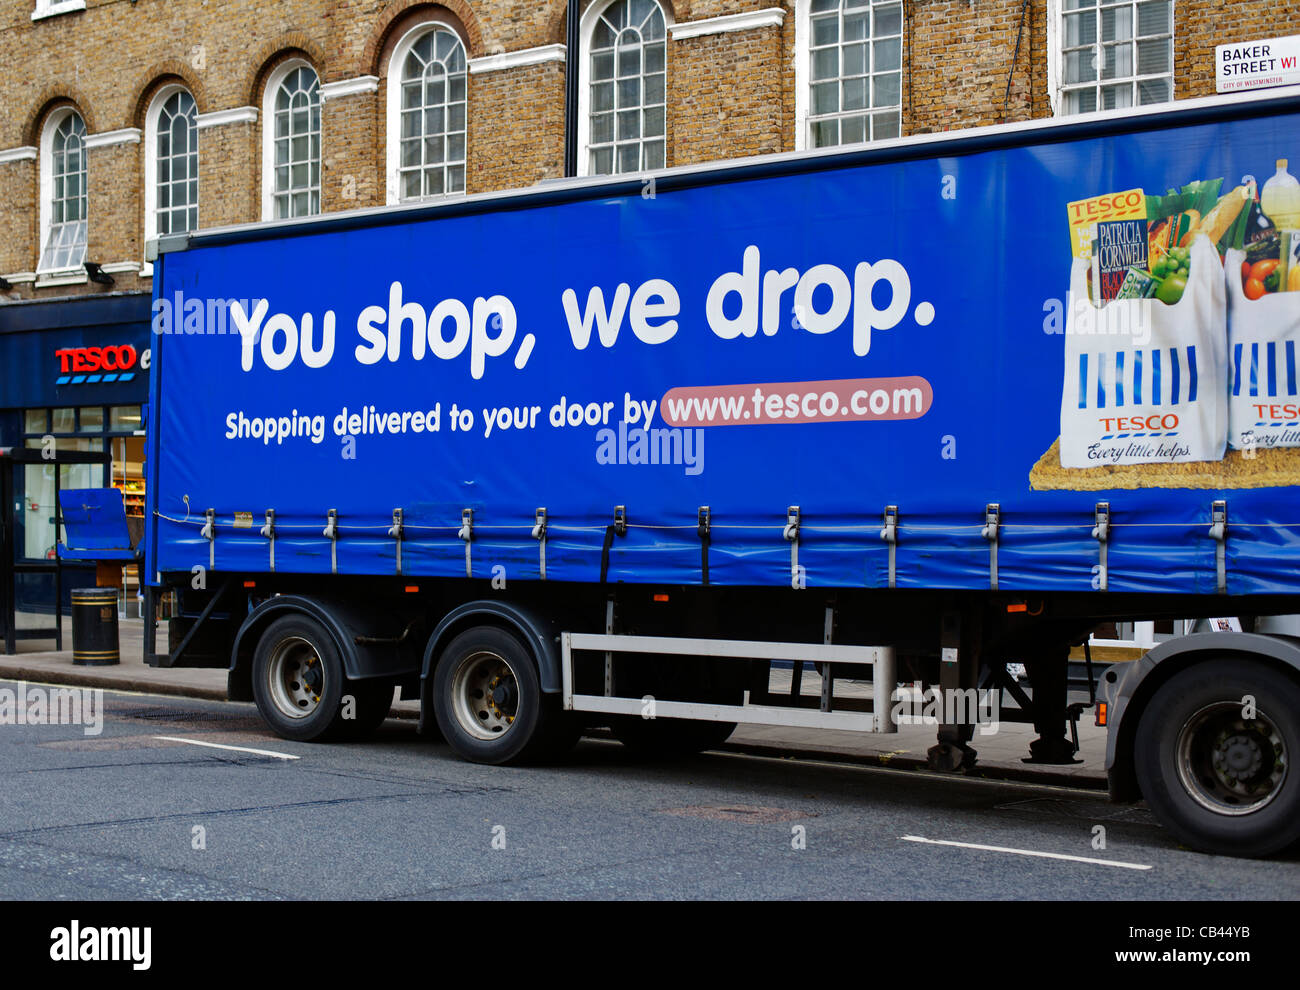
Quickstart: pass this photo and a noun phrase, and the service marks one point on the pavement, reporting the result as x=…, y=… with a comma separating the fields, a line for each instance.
x=1000, y=752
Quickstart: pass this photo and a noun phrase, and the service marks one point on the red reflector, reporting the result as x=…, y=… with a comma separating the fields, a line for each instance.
x=411, y=588
x=250, y=584
x=661, y=598
x=1101, y=713
x=1022, y=607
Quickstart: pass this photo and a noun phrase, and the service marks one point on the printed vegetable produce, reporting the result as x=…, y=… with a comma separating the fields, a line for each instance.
x=1160, y=268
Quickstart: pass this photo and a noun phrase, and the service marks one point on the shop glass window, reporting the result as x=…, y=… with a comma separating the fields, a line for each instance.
x=90, y=419
x=128, y=472
x=38, y=510
x=123, y=419
x=65, y=421
x=628, y=60
x=177, y=178
x=38, y=507
x=432, y=147
x=35, y=421
x=1115, y=55
x=65, y=241
x=856, y=61
x=297, y=145
x=83, y=475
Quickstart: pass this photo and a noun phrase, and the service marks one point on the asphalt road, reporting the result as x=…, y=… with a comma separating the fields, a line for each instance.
x=126, y=815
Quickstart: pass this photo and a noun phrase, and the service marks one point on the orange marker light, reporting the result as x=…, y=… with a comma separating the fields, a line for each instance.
x=411, y=588
x=1101, y=713
x=250, y=584
x=1021, y=607
x=661, y=598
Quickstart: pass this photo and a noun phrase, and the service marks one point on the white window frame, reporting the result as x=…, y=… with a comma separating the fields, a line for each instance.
x=1055, y=87
x=46, y=211
x=586, y=29
x=803, y=73
x=273, y=83
x=393, y=108
x=151, y=160
x=52, y=8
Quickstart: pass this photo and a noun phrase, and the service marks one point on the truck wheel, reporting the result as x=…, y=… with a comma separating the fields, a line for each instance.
x=298, y=680
x=669, y=737
x=489, y=702
x=1219, y=781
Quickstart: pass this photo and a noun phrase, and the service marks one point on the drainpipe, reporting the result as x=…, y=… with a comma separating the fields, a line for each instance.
x=571, y=57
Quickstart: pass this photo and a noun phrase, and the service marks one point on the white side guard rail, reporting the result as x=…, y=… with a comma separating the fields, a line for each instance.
x=881, y=660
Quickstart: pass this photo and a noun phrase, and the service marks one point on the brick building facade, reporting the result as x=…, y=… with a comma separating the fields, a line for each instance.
x=738, y=79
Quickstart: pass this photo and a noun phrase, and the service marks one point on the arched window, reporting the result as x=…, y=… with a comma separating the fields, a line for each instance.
x=426, y=115
x=623, y=93
x=63, y=192
x=171, y=164
x=291, y=143
x=850, y=60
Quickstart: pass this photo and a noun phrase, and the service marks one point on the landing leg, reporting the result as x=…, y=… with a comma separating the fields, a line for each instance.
x=1048, y=674
x=958, y=671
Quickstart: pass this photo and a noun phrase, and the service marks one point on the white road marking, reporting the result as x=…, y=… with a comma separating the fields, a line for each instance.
x=1027, y=852
x=237, y=749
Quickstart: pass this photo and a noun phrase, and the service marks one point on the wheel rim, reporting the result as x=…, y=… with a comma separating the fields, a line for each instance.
x=1228, y=764
x=485, y=695
x=295, y=678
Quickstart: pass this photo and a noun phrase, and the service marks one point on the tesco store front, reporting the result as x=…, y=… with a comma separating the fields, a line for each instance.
x=74, y=375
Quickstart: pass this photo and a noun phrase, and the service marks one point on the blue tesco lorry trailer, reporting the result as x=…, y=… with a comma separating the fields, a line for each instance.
x=600, y=452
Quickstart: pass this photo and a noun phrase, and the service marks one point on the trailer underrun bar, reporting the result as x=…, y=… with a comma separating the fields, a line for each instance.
x=881, y=660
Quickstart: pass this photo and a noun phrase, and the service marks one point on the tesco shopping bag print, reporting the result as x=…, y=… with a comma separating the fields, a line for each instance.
x=1141, y=377
x=1264, y=323
x=1163, y=351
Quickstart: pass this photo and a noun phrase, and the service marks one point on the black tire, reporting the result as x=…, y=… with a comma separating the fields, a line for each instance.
x=1218, y=782
x=489, y=703
x=298, y=643
x=372, y=701
x=669, y=738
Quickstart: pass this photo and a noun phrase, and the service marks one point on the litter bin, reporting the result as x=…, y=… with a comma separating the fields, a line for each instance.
x=94, y=627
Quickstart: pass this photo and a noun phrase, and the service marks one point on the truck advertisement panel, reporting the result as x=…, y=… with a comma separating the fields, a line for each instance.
x=992, y=342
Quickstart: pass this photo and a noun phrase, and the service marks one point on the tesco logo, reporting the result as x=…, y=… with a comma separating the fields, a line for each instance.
x=1103, y=207
x=1156, y=421
x=121, y=357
